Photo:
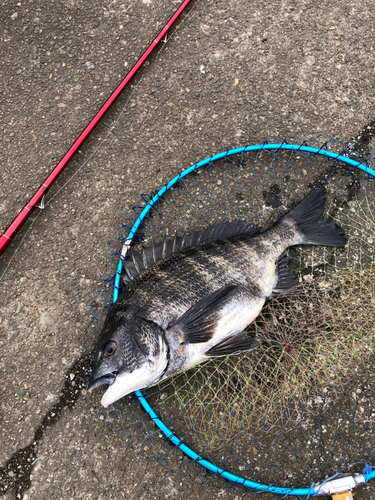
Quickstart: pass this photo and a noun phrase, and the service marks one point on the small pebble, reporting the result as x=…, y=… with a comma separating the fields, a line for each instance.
x=14, y=16
x=90, y=65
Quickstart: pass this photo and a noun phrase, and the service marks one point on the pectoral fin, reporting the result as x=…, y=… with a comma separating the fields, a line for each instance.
x=199, y=322
x=232, y=345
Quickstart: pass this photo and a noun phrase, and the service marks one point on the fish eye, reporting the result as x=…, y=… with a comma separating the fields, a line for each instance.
x=109, y=348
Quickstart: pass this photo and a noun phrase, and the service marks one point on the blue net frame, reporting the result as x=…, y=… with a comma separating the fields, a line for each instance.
x=150, y=202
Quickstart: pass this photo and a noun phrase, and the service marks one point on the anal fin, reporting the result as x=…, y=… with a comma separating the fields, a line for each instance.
x=233, y=345
x=285, y=277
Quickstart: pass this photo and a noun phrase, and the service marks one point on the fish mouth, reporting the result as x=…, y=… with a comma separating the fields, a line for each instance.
x=104, y=380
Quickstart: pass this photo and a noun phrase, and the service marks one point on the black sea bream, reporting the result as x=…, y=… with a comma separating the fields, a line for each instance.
x=191, y=298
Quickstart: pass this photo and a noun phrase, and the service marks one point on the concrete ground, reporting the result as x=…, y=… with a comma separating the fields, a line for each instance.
x=233, y=73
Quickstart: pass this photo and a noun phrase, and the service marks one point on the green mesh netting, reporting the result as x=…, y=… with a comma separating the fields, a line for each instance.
x=300, y=408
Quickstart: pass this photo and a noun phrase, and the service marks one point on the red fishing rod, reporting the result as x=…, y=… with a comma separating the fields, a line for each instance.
x=20, y=219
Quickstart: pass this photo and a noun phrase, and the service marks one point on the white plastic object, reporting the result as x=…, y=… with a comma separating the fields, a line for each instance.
x=339, y=485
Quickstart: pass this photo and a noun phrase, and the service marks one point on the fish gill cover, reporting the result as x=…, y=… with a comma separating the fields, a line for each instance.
x=299, y=408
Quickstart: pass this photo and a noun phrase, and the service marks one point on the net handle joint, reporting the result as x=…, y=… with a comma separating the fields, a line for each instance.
x=340, y=486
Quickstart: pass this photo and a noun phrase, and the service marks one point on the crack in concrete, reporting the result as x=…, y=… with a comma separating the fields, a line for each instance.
x=15, y=475
x=367, y=132
x=363, y=138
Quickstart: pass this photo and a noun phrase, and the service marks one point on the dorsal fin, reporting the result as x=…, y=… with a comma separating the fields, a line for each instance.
x=149, y=256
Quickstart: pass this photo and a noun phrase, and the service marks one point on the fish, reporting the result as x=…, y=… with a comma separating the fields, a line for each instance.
x=190, y=298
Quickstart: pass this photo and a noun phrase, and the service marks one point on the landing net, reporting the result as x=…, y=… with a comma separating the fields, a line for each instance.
x=300, y=408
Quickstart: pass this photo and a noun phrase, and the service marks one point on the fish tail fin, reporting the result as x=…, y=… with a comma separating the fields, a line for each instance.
x=314, y=228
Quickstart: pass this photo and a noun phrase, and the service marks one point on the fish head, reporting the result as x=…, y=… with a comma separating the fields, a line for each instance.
x=131, y=354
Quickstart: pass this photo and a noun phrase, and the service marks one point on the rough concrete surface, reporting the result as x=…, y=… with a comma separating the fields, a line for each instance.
x=233, y=73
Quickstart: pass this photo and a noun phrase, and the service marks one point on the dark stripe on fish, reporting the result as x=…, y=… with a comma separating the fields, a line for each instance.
x=149, y=256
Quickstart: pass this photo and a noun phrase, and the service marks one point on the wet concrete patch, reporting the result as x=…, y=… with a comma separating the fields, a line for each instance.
x=16, y=475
